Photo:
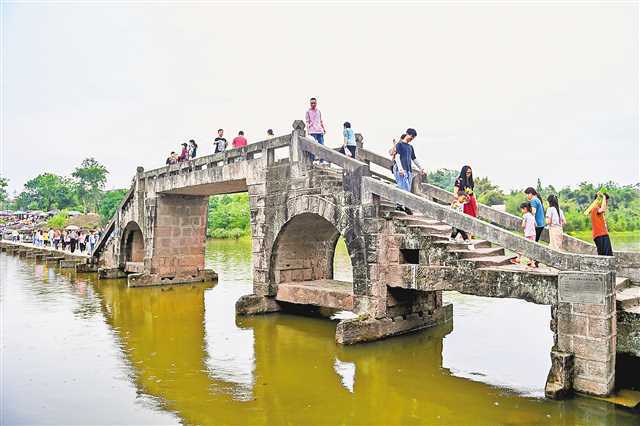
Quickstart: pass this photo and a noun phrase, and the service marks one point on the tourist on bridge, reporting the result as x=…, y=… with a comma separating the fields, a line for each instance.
x=599, y=228
x=184, y=154
x=239, y=141
x=220, y=143
x=73, y=240
x=315, y=125
x=538, y=212
x=172, y=158
x=349, y=140
x=529, y=226
x=82, y=242
x=193, y=148
x=405, y=156
x=555, y=220
x=56, y=239
x=458, y=204
x=465, y=183
x=52, y=235
x=91, y=241
x=270, y=134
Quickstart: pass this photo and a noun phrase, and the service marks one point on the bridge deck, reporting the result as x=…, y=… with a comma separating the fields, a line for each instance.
x=324, y=293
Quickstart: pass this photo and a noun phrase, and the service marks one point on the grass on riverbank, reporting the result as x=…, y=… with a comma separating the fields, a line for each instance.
x=621, y=240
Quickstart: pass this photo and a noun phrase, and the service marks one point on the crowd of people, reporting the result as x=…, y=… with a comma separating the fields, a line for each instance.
x=67, y=240
x=189, y=151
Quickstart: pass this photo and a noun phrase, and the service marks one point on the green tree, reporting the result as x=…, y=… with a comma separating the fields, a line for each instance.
x=109, y=203
x=229, y=216
x=47, y=191
x=59, y=220
x=483, y=184
x=443, y=178
x=90, y=178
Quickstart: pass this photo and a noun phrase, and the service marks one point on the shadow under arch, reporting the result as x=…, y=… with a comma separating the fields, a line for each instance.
x=131, y=244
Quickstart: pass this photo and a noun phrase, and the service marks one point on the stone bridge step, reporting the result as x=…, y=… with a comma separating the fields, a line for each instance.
x=324, y=293
x=622, y=283
x=461, y=245
x=435, y=229
x=478, y=252
x=543, y=271
x=486, y=261
x=628, y=298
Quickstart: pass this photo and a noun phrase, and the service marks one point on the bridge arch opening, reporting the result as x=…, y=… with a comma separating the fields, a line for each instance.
x=305, y=249
x=132, y=244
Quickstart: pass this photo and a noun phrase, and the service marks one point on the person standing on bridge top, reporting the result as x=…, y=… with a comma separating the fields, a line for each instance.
x=405, y=155
x=193, y=149
x=220, y=142
x=239, y=141
x=315, y=125
x=184, y=154
x=270, y=133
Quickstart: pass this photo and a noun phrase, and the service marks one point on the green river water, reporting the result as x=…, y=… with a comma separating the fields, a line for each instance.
x=76, y=350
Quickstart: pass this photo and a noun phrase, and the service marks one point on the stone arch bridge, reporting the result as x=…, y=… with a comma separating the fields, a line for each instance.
x=401, y=264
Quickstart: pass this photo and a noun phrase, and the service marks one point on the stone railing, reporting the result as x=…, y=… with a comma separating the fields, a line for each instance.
x=252, y=151
x=354, y=170
x=556, y=259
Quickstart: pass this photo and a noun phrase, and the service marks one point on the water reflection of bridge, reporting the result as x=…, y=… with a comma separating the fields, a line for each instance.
x=173, y=350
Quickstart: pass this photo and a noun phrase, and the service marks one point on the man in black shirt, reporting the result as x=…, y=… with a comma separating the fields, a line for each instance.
x=220, y=142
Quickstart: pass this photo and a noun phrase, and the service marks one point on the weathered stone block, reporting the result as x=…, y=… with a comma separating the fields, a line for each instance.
x=252, y=304
x=560, y=379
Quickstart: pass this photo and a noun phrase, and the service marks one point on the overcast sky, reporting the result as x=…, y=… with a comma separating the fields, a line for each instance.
x=518, y=91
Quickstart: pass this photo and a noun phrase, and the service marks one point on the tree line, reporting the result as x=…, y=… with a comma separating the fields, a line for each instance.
x=624, y=205
x=229, y=214
x=83, y=191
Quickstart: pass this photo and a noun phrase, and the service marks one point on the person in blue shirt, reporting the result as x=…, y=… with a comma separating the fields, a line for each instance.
x=404, y=156
x=349, y=144
x=537, y=210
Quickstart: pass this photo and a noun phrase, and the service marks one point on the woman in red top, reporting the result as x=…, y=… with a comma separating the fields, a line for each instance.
x=465, y=183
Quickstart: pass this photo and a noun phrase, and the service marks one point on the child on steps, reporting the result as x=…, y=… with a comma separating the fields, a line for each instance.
x=529, y=226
